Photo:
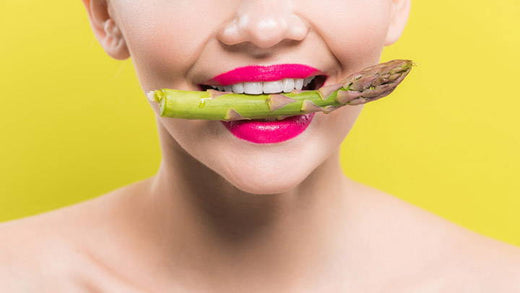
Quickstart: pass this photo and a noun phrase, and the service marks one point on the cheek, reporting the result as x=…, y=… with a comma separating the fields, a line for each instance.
x=165, y=37
x=354, y=30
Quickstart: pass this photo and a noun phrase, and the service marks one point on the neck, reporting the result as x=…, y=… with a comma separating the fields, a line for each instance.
x=211, y=221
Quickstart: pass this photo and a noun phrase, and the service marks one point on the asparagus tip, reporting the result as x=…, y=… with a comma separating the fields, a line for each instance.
x=374, y=82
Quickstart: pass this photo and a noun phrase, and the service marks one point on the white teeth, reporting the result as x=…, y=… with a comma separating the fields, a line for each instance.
x=238, y=88
x=288, y=85
x=298, y=83
x=285, y=85
x=253, y=88
x=271, y=87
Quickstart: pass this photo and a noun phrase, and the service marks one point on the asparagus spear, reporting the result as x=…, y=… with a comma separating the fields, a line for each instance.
x=367, y=85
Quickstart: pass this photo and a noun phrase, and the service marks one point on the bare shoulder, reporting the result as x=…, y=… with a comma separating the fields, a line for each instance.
x=485, y=266
x=446, y=257
x=491, y=265
x=51, y=251
x=33, y=252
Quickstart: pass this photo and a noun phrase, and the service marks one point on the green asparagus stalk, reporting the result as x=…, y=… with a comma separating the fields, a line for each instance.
x=367, y=85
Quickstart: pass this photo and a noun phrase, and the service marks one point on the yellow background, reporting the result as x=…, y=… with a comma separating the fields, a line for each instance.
x=74, y=123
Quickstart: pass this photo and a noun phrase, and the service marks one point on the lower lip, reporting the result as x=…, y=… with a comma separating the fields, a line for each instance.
x=257, y=131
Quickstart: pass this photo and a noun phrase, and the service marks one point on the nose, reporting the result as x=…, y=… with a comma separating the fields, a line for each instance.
x=263, y=23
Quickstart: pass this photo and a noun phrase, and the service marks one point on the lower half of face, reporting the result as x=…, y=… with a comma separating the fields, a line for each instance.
x=184, y=44
x=263, y=168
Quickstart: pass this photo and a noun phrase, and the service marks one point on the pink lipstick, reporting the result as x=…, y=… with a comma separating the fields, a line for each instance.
x=259, y=131
x=264, y=73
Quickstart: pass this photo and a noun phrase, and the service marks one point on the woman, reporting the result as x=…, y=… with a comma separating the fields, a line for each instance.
x=232, y=209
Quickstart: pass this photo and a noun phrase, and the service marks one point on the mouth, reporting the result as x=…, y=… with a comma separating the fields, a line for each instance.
x=270, y=79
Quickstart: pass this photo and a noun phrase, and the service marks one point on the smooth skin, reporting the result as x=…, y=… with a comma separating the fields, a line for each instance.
x=226, y=215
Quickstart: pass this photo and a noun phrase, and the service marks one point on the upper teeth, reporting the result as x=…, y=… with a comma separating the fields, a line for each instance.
x=267, y=87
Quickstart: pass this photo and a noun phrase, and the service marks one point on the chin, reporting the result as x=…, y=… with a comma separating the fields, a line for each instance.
x=264, y=188
x=266, y=181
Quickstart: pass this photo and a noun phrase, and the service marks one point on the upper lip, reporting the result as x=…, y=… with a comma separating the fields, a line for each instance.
x=258, y=73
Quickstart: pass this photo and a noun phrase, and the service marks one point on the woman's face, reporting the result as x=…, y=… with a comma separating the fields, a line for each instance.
x=184, y=43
